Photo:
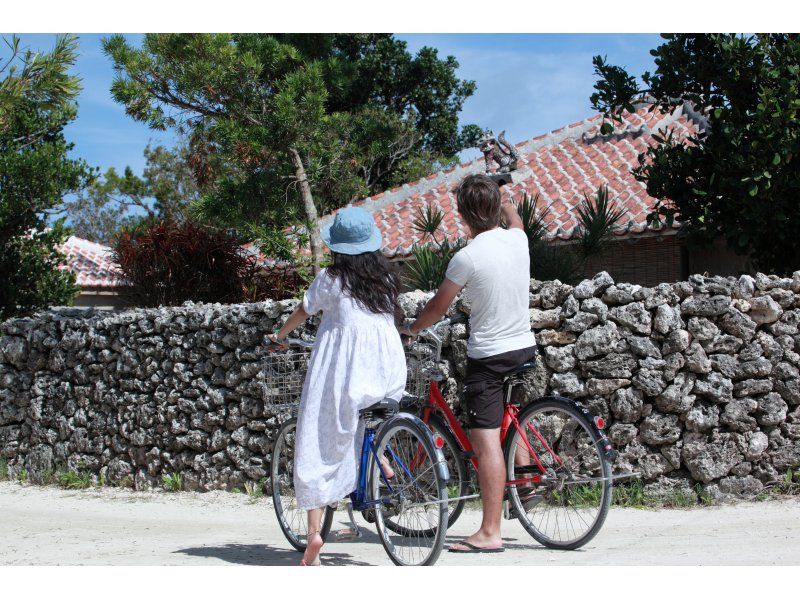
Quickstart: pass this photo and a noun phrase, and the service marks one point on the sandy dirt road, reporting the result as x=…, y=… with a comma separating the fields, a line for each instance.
x=50, y=526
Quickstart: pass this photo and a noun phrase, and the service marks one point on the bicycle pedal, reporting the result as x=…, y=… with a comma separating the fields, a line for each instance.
x=345, y=535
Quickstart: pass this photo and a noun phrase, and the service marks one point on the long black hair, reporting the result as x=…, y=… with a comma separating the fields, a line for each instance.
x=369, y=278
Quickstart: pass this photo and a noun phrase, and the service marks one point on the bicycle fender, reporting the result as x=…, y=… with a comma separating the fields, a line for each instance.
x=599, y=435
x=441, y=464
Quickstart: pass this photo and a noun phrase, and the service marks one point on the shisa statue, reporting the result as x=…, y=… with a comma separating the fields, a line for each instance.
x=497, y=149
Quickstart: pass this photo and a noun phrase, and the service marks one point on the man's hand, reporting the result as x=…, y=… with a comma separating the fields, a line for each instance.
x=406, y=331
x=436, y=308
x=509, y=212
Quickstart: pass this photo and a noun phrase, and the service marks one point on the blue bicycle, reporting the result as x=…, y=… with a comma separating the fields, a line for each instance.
x=402, y=484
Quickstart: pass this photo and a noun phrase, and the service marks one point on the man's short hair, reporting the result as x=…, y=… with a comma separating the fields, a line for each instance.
x=478, y=201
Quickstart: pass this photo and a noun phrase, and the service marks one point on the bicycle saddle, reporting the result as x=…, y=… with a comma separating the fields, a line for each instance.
x=382, y=409
x=528, y=365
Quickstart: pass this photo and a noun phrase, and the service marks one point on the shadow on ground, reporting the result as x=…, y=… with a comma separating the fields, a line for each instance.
x=263, y=555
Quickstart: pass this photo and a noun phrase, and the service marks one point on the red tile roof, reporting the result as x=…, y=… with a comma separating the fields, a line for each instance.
x=560, y=166
x=91, y=262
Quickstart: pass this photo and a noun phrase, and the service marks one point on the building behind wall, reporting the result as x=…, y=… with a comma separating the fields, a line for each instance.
x=561, y=168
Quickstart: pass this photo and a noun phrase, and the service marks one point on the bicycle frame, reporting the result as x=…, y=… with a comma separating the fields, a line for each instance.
x=436, y=403
x=358, y=497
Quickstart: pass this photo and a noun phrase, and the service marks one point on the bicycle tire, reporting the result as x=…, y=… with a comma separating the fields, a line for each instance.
x=428, y=493
x=566, y=419
x=292, y=521
x=459, y=481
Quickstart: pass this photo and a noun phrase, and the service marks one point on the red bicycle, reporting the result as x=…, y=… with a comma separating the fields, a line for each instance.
x=558, y=459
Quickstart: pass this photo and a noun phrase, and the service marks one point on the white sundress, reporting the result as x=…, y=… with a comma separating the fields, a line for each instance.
x=357, y=360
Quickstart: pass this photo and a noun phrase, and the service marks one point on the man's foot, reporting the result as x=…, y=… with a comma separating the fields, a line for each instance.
x=477, y=543
x=313, y=547
x=465, y=546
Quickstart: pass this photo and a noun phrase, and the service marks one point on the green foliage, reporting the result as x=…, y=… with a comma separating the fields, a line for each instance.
x=598, y=219
x=3, y=469
x=255, y=490
x=567, y=262
x=22, y=475
x=165, y=192
x=739, y=180
x=265, y=115
x=173, y=482
x=75, y=480
x=36, y=102
x=427, y=269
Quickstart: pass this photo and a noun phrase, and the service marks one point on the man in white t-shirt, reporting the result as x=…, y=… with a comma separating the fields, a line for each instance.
x=494, y=270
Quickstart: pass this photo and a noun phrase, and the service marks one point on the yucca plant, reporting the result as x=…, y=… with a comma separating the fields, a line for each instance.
x=548, y=261
x=426, y=271
x=598, y=219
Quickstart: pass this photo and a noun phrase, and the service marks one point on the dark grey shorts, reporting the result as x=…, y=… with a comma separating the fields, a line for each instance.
x=483, y=386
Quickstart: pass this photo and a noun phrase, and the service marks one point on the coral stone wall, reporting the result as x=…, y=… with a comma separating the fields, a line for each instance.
x=698, y=380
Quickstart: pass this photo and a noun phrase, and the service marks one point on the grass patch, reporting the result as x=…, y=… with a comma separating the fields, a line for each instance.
x=255, y=490
x=74, y=480
x=173, y=482
x=3, y=469
x=22, y=476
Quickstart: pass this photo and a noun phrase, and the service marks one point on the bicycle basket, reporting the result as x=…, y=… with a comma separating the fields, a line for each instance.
x=282, y=378
x=422, y=368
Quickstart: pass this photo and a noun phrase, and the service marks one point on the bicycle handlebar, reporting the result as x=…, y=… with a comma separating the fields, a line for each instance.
x=293, y=342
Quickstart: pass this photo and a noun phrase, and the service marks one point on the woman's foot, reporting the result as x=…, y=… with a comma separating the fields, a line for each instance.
x=313, y=547
x=388, y=472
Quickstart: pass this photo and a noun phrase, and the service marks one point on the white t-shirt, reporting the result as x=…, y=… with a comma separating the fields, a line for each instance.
x=495, y=269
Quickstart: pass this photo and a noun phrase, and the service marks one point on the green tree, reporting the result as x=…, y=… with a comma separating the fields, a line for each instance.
x=740, y=178
x=37, y=100
x=281, y=127
x=166, y=191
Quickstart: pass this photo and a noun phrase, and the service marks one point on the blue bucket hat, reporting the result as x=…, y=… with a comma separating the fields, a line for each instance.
x=353, y=231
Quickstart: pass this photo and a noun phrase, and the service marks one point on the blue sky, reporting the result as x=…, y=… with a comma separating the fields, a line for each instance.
x=526, y=84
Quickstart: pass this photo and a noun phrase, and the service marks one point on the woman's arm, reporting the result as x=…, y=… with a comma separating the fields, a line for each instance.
x=298, y=316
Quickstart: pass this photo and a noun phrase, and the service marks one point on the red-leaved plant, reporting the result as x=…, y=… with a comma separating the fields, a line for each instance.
x=167, y=263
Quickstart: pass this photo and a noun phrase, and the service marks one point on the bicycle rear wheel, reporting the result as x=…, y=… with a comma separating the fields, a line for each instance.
x=292, y=520
x=412, y=519
x=568, y=505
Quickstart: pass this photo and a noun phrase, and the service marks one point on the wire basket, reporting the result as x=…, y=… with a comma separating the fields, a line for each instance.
x=422, y=368
x=282, y=379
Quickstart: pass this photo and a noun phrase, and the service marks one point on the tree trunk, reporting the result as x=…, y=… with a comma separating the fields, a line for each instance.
x=315, y=240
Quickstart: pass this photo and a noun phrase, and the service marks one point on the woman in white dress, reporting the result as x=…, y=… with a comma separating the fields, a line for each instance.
x=357, y=360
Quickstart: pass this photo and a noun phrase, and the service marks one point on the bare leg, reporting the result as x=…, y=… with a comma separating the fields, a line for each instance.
x=313, y=538
x=492, y=479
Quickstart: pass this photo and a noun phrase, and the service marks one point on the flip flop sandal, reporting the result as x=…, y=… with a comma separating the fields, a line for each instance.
x=473, y=548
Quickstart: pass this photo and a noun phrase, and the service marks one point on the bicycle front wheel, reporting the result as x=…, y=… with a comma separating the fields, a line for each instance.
x=411, y=518
x=292, y=520
x=565, y=505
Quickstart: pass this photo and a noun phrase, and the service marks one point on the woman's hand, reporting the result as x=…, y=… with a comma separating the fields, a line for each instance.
x=282, y=344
